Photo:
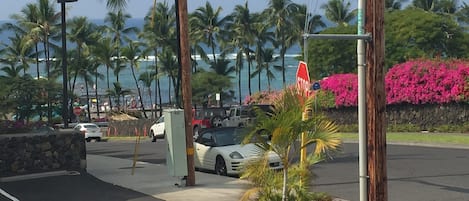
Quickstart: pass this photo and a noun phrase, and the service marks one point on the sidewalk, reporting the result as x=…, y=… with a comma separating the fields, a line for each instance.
x=154, y=180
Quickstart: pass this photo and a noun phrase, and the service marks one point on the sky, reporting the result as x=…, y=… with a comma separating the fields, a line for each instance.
x=96, y=9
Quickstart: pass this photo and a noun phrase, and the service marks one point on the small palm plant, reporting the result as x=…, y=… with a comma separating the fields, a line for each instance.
x=285, y=127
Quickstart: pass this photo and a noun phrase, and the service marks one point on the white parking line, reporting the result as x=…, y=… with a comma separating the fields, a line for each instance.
x=8, y=195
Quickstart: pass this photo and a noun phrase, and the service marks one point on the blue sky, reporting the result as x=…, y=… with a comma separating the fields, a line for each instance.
x=96, y=9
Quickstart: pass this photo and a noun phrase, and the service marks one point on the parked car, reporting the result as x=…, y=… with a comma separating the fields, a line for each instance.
x=220, y=150
x=90, y=131
x=244, y=115
x=157, y=129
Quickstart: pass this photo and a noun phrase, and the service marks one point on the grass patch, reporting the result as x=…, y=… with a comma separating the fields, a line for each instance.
x=426, y=138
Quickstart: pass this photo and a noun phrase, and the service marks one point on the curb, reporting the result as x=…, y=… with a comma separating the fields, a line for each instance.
x=38, y=175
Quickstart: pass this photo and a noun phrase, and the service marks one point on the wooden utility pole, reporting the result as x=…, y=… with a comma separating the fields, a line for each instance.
x=186, y=87
x=376, y=101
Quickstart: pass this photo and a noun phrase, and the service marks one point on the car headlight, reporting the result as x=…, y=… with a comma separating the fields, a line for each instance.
x=236, y=155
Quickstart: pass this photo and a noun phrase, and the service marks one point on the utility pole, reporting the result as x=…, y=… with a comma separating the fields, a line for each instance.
x=376, y=101
x=186, y=87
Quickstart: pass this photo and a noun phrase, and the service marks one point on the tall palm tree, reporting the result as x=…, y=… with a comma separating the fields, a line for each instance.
x=266, y=58
x=103, y=52
x=207, y=22
x=116, y=5
x=338, y=12
x=280, y=14
x=119, y=31
x=263, y=36
x=86, y=68
x=147, y=78
x=242, y=29
x=314, y=23
x=24, y=23
x=285, y=126
x=132, y=54
x=159, y=31
x=83, y=33
x=170, y=67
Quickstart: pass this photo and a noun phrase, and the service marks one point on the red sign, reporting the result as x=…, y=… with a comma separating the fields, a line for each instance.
x=302, y=77
x=76, y=110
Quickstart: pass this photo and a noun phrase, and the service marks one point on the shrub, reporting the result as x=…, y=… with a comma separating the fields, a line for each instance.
x=344, y=87
x=427, y=81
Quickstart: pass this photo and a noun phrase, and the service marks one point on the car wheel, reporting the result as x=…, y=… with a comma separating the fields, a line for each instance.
x=88, y=139
x=152, y=135
x=216, y=121
x=220, y=166
x=98, y=139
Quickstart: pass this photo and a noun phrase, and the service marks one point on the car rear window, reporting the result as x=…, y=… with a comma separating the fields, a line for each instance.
x=91, y=126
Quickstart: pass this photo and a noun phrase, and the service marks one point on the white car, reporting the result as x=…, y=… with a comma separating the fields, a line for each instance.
x=220, y=149
x=157, y=129
x=90, y=130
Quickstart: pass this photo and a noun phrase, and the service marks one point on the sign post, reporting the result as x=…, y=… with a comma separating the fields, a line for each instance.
x=303, y=85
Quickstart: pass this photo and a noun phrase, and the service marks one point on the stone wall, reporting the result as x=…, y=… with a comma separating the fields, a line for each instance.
x=41, y=152
x=425, y=116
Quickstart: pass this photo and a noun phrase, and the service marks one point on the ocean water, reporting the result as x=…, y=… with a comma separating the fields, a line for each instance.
x=127, y=82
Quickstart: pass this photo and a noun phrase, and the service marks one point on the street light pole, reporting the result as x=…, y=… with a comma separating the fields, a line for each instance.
x=64, y=63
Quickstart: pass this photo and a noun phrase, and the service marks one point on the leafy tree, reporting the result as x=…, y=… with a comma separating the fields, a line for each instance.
x=103, y=51
x=207, y=83
x=266, y=58
x=147, y=78
x=414, y=33
x=328, y=57
x=169, y=66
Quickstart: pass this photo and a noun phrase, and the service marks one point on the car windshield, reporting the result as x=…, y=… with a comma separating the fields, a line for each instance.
x=232, y=136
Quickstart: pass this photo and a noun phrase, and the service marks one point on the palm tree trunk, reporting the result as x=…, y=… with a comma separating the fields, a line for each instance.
x=37, y=61
x=108, y=87
x=87, y=99
x=96, y=92
x=169, y=90
x=285, y=179
x=138, y=91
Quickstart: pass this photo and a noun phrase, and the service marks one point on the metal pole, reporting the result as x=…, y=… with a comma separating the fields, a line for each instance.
x=362, y=155
x=64, y=67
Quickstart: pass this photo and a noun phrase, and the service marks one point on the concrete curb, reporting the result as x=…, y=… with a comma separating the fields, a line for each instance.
x=38, y=175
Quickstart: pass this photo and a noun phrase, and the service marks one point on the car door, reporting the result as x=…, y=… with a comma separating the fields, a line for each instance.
x=204, y=156
x=159, y=128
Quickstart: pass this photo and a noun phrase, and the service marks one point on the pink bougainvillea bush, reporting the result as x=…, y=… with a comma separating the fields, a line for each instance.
x=344, y=87
x=427, y=81
x=262, y=97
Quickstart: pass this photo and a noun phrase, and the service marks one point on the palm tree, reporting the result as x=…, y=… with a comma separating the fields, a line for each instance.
x=243, y=37
x=116, y=5
x=338, y=12
x=284, y=127
x=206, y=21
x=20, y=50
x=147, y=78
x=117, y=92
x=84, y=34
x=86, y=68
x=132, y=53
x=266, y=58
x=263, y=36
x=281, y=13
x=24, y=21
x=103, y=52
x=314, y=23
x=169, y=66
x=118, y=30
x=159, y=31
